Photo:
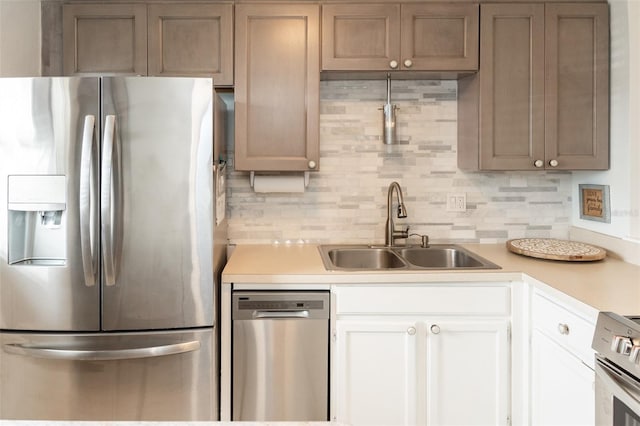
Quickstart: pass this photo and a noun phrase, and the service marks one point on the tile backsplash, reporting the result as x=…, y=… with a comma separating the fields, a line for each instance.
x=346, y=199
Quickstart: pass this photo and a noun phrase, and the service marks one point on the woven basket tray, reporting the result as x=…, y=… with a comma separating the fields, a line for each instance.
x=549, y=248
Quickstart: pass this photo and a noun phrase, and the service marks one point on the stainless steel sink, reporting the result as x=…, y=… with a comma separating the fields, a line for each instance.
x=364, y=258
x=436, y=256
x=444, y=257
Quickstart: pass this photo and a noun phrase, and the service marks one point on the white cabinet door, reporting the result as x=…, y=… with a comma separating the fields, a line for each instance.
x=561, y=385
x=468, y=372
x=376, y=372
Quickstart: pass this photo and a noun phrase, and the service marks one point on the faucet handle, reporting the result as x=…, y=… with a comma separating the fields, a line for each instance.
x=402, y=233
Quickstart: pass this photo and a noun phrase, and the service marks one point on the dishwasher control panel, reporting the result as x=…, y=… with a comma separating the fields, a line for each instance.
x=253, y=304
x=244, y=302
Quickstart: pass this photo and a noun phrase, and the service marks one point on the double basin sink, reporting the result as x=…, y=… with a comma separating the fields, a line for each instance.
x=375, y=258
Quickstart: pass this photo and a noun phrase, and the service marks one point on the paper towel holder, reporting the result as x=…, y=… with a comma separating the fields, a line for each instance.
x=252, y=177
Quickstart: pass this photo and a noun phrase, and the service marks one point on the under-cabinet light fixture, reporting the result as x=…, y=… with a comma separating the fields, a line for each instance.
x=389, y=118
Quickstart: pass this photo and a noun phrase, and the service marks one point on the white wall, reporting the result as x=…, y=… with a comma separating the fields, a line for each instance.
x=624, y=176
x=634, y=114
x=19, y=38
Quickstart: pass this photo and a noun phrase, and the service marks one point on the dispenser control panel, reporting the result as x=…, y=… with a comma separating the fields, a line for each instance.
x=36, y=205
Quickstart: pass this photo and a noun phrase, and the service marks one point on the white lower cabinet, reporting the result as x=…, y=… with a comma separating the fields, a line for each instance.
x=561, y=386
x=376, y=372
x=467, y=372
x=422, y=368
x=562, y=379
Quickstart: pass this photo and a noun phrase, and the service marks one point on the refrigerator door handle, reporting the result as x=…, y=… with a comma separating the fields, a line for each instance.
x=106, y=210
x=88, y=252
x=101, y=355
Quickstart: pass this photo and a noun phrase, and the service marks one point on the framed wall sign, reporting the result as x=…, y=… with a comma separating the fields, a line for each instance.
x=594, y=202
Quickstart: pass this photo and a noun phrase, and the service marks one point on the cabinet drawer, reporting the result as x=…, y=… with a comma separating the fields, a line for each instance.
x=570, y=330
x=448, y=299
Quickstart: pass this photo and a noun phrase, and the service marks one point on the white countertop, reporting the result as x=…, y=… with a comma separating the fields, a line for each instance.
x=606, y=285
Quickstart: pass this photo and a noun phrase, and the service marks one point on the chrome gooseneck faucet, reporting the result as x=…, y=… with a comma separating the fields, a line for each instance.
x=390, y=232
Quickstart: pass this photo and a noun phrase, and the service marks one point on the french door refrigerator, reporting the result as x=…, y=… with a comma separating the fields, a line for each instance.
x=110, y=248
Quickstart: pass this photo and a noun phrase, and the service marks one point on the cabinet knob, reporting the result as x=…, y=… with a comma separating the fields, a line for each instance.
x=408, y=63
x=435, y=329
x=393, y=65
x=411, y=331
x=553, y=163
x=563, y=328
x=312, y=164
x=538, y=163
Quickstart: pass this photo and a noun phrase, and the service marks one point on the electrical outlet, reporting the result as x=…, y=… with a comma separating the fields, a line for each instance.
x=456, y=202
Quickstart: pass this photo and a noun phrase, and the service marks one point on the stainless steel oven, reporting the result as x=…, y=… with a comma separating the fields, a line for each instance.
x=617, y=345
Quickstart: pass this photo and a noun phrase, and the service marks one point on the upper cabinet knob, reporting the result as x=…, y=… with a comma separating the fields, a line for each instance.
x=312, y=164
x=538, y=163
x=553, y=163
x=393, y=65
x=408, y=63
x=435, y=329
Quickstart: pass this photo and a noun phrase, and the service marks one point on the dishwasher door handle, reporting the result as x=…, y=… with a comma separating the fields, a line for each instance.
x=280, y=314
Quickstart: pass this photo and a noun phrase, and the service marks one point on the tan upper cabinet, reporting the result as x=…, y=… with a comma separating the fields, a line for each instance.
x=191, y=40
x=172, y=39
x=577, y=86
x=360, y=36
x=409, y=37
x=104, y=38
x=277, y=86
x=540, y=99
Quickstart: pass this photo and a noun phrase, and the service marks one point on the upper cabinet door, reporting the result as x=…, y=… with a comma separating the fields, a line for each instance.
x=104, y=38
x=577, y=86
x=440, y=37
x=191, y=40
x=408, y=37
x=541, y=96
x=277, y=87
x=360, y=37
x=512, y=87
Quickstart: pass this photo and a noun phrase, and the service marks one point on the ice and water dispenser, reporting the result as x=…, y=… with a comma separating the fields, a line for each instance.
x=37, y=220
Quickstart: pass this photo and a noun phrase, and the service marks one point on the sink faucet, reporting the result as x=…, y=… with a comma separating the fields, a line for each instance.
x=390, y=232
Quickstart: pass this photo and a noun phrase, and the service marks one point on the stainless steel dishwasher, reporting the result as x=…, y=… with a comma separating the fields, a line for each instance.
x=280, y=355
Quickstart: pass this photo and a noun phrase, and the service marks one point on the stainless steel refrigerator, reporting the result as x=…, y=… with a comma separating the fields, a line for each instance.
x=112, y=240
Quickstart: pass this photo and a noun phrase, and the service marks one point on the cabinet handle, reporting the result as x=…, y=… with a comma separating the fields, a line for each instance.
x=312, y=164
x=408, y=63
x=435, y=329
x=393, y=65
x=538, y=163
x=553, y=163
x=563, y=329
x=411, y=331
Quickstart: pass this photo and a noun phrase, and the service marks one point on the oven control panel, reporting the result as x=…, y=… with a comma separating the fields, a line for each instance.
x=617, y=338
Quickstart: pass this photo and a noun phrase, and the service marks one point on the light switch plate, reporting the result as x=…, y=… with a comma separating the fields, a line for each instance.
x=456, y=202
